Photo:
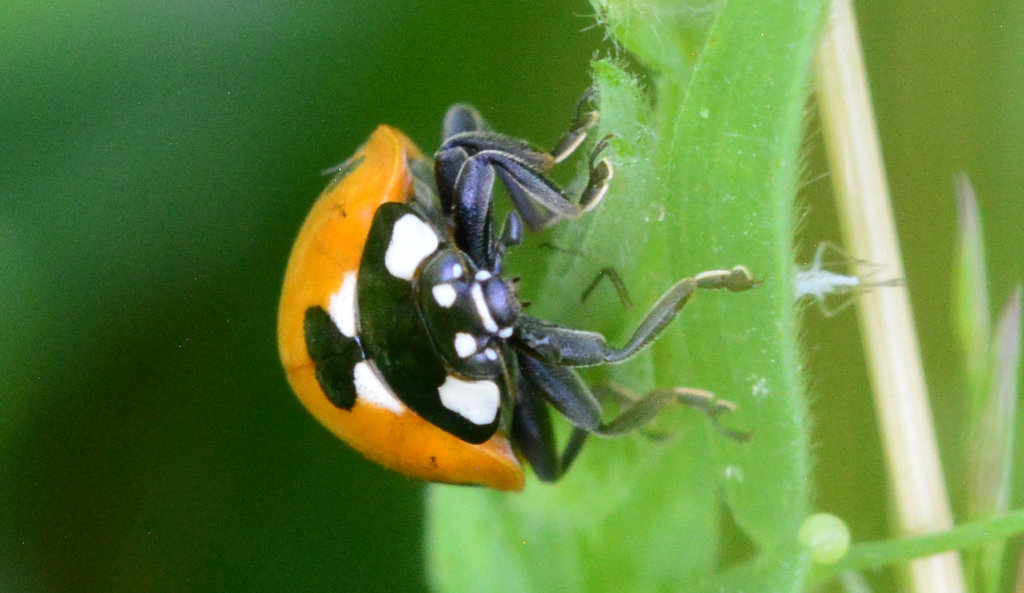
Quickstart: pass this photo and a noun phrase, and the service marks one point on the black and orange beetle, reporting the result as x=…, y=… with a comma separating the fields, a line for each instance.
x=399, y=333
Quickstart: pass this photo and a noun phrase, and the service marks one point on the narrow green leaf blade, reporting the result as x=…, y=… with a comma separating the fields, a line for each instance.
x=971, y=296
x=990, y=470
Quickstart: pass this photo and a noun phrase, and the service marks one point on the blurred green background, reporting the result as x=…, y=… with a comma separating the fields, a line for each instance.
x=156, y=160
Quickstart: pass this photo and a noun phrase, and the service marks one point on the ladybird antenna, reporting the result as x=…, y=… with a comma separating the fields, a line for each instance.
x=511, y=236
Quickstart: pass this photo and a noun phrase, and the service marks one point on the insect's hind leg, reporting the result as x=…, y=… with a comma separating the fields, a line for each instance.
x=542, y=385
x=637, y=411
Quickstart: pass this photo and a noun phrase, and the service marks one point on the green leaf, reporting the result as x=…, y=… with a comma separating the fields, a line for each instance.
x=706, y=150
x=992, y=364
x=678, y=31
x=991, y=448
x=971, y=296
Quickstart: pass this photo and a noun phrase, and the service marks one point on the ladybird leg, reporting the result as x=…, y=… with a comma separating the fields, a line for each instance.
x=468, y=198
x=475, y=134
x=582, y=123
x=458, y=149
x=465, y=132
x=482, y=149
x=572, y=347
x=562, y=388
x=572, y=448
x=537, y=213
x=599, y=177
x=471, y=205
x=668, y=306
x=512, y=230
x=638, y=411
x=540, y=385
x=460, y=118
x=535, y=438
x=448, y=164
x=542, y=203
x=538, y=200
x=511, y=236
x=532, y=433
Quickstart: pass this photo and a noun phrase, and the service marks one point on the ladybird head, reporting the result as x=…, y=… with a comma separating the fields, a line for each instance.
x=468, y=312
x=501, y=300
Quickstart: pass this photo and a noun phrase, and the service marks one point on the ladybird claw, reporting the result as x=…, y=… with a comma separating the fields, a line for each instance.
x=582, y=123
x=737, y=279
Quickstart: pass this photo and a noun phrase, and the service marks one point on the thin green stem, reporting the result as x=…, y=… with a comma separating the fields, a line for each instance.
x=969, y=535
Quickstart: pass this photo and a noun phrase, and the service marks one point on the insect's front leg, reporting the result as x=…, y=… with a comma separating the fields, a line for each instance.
x=565, y=346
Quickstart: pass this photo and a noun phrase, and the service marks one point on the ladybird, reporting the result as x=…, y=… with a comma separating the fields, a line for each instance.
x=399, y=333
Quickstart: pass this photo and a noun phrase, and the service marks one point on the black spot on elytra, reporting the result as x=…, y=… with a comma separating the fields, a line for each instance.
x=334, y=356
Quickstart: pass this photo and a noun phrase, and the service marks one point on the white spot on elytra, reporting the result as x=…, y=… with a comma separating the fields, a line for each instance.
x=482, y=275
x=412, y=240
x=372, y=389
x=342, y=306
x=465, y=345
x=444, y=294
x=476, y=401
x=477, y=292
x=456, y=271
x=505, y=332
x=490, y=354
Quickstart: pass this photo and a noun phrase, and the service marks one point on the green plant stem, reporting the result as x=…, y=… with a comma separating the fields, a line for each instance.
x=705, y=178
x=969, y=535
